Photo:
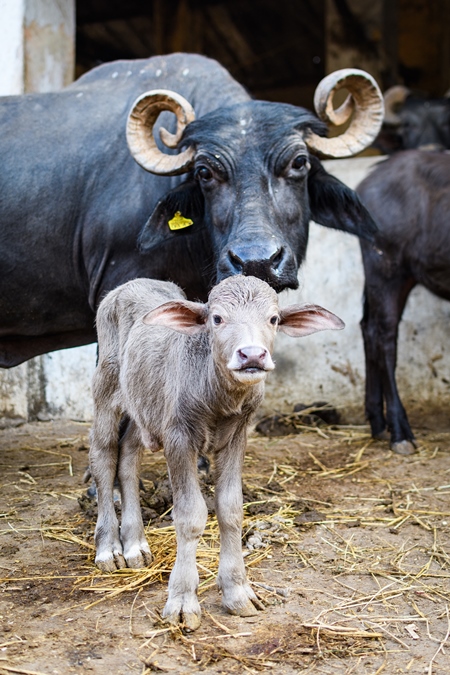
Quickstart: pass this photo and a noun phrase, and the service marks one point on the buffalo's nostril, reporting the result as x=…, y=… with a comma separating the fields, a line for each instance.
x=277, y=258
x=236, y=262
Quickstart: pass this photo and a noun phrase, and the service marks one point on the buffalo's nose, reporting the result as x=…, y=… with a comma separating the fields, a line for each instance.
x=254, y=264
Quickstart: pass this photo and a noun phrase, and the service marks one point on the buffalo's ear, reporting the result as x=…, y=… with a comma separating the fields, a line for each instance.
x=187, y=200
x=181, y=316
x=335, y=205
x=301, y=320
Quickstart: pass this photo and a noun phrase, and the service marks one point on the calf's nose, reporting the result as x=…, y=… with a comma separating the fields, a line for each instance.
x=253, y=356
x=252, y=353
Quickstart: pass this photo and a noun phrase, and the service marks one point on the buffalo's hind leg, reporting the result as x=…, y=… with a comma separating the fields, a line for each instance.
x=384, y=301
x=136, y=550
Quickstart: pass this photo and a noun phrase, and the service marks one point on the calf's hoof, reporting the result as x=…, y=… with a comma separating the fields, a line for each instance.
x=249, y=609
x=138, y=556
x=243, y=602
x=110, y=562
x=404, y=447
x=187, y=616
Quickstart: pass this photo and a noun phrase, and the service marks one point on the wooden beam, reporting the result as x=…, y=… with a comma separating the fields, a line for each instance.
x=389, y=32
x=445, y=47
x=224, y=25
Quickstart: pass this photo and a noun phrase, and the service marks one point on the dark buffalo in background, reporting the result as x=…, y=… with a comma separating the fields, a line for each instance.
x=413, y=120
x=409, y=197
x=79, y=215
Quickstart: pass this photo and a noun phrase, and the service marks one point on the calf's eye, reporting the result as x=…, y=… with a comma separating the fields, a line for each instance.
x=217, y=319
x=274, y=320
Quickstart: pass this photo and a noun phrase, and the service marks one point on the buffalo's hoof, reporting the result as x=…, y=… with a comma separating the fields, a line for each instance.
x=382, y=435
x=404, y=447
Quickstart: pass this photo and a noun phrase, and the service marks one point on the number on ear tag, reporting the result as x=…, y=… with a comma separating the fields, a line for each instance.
x=179, y=221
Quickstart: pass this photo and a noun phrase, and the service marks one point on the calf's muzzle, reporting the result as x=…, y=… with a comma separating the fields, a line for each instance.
x=251, y=359
x=254, y=356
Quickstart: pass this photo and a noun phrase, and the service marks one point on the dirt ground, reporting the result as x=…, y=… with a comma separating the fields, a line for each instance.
x=347, y=545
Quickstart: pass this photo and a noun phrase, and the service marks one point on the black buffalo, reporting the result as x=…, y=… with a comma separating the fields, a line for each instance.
x=413, y=120
x=79, y=215
x=409, y=197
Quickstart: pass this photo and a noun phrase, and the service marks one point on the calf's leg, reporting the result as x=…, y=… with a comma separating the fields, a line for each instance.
x=136, y=550
x=189, y=515
x=103, y=460
x=237, y=596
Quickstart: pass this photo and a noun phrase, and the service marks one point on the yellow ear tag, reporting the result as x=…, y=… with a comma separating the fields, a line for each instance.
x=179, y=221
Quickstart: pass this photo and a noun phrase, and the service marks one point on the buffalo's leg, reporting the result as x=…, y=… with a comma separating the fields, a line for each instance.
x=103, y=461
x=237, y=596
x=374, y=401
x=384, y=303
x=136, y=550
x=189, y=515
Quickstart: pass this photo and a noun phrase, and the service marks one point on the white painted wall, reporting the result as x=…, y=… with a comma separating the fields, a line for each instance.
x=11, y=47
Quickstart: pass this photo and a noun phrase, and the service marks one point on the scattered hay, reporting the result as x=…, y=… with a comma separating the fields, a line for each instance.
x=357, y=541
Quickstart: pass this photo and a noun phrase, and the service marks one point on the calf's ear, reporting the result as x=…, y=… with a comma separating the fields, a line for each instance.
x=335, y=205
x=301, y=320
x=181, y=316
x=184, y=205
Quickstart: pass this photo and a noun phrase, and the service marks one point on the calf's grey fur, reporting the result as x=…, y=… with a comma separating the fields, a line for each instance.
x=189, y=376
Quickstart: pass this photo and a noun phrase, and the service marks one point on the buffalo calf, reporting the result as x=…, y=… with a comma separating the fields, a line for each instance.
x=188, y=376
x=409, y=198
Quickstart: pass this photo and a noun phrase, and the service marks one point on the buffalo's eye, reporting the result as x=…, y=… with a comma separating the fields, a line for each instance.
x=204, y=173
x=217, y=319
x=274, y=320
x=299, y=162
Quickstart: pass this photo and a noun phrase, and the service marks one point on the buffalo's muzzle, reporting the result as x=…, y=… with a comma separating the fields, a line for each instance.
x=275, y=265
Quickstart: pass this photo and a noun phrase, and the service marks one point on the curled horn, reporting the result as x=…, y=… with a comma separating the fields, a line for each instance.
x=394, y=97
x=364, y=103
x=141, y=142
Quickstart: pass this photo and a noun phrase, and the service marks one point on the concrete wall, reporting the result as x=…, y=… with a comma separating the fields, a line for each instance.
x=326, y=366
x=37, y=50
